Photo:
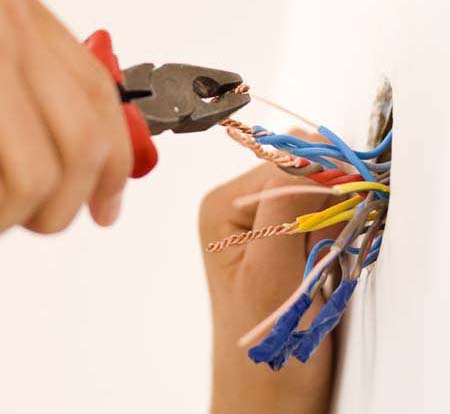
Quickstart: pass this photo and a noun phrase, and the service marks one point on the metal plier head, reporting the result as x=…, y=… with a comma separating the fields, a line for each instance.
x=176, y=96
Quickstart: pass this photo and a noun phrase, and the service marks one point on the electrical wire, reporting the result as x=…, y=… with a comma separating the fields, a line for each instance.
x=339, y=170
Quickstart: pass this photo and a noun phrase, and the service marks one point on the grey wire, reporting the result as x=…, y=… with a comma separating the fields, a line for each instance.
x=356, y=224
x=370, y=235
x=376, y=167
x=309, y=169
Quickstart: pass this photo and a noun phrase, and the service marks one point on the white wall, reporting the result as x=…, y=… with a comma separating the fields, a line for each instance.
x=395, y=356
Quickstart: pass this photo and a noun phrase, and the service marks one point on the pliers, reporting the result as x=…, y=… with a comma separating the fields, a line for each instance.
x=173, y=96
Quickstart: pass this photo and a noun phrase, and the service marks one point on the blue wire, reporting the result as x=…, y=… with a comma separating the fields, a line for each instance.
x=311, y=151
x=312, y=155
x=364, y=155
x=320, y=245
x=258, y=129
x=351, y=156
x=316, y=152
x=377, y=151
x=375, y=246
x=314, y=252
x=289, y=139
x=348, y=153
x=308, y=152
x=371, y=257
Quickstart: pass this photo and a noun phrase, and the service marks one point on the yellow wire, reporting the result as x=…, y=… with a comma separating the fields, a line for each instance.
x=361, y=186
x=338, y=218
x=308, y=221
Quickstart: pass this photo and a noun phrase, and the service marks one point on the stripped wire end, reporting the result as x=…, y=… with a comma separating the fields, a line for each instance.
x=243, y=134
x=242, y=88
x=228, y=122
x=251, y=235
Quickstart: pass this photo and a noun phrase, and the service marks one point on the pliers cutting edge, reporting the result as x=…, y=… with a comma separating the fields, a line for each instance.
x=173, y=96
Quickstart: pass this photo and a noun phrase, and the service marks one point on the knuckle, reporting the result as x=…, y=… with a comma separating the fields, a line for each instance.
x=32, y=187
x=15, y=16
x=14, y=10
x=49, y=226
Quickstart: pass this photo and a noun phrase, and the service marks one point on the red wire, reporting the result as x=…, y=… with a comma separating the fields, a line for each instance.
x=345, y=179
x=331, y=177
x=324, y=176
x=304, y=162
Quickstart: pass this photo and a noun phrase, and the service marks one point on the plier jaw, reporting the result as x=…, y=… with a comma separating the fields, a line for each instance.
x=176, y=96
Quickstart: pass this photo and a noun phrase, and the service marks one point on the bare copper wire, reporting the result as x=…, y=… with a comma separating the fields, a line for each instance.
x=228, y=122
x=242, y=88
x=249, y=236
x=240, y=126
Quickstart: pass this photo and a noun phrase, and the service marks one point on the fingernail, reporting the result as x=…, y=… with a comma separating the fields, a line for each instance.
x=109, y=211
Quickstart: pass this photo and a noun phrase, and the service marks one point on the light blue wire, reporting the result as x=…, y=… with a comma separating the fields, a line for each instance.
x=322, y=244
x=312, y=154
x=364, y=155
x=316, y=153
x=272, y=139
x=351, y=156
x=328, y=242
x=312, y=258
x=311, y=151
x=325, y=152
x=314, y=252
x=377, y=151
x=348, y=153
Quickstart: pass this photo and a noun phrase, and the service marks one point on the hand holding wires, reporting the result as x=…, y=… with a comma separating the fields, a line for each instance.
x=340, y=171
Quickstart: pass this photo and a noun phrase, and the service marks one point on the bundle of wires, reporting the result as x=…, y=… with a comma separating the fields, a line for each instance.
x=339, y=170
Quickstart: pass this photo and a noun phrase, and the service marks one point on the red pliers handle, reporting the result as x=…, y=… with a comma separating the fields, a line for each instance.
x=145, y=154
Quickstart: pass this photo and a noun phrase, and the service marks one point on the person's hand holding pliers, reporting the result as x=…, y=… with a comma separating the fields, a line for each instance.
x=68, y=113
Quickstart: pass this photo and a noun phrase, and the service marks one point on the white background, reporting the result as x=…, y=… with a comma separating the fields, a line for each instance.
x=114, y=321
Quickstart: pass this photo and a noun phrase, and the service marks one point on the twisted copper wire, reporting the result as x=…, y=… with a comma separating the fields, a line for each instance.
x=243, y=134
x=246, y=237
x=228, y=122
x=240, y=126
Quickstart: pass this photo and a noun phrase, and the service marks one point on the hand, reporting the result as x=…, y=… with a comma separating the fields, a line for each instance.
x=63, y=139
x=246, y=284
